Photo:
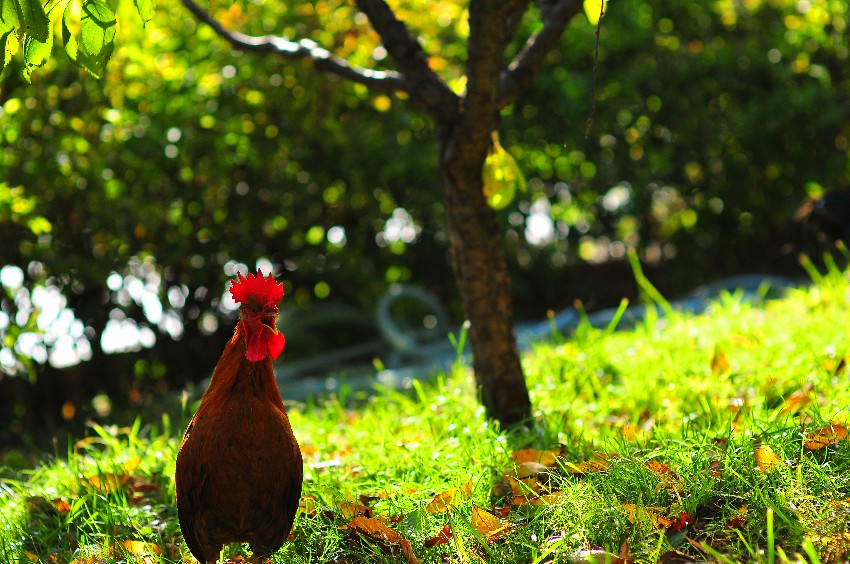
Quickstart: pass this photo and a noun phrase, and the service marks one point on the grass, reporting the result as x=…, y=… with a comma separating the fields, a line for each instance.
x=688, y=436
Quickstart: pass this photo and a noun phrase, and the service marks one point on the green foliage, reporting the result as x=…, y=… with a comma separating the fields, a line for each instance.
x=90, y=46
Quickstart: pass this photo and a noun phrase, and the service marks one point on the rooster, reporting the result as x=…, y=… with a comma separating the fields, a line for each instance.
x=239, y=468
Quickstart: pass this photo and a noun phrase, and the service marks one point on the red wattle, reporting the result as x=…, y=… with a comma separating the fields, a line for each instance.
x=275, y=344
x=262, y=342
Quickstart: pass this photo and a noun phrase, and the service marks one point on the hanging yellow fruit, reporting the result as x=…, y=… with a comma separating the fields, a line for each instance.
x=501, y=175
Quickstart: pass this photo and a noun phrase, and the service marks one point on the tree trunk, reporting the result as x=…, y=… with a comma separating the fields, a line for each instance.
x=480, y=269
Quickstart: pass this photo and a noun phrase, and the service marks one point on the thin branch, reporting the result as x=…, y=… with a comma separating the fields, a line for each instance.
x=525, y=66
x=423, y=84
x=322, y=59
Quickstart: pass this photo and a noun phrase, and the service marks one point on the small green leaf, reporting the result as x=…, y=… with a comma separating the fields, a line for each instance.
x=37, y=24
x=4, y=55
x=145, y=9
x=97, y=27
x=67, y=38
x=36, y=53
x=10, y=15
x=95, y=64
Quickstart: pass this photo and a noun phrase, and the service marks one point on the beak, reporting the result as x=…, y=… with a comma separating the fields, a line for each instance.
x=270, y=321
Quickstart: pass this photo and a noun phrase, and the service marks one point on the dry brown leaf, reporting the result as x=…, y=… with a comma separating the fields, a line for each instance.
x=667, y=478
x=488, y=525
x=350, y=510
x=637, y=514
x=659, y=468
x=824, y=437
x=544, y=457
x=443, y=537
x=526, y=487
x=738, y=519
x=796, y=401
x=766, y=459
x=376, y=529
x=450, y=499
x=719, y=362
x=43, y=505
x=833, y=548
x=599, y=463
x=110, y=482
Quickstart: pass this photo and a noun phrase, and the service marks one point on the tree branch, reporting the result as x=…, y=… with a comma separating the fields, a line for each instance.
x=422, y=83
x=525, y=66
x=323, y=60
x=486, y=47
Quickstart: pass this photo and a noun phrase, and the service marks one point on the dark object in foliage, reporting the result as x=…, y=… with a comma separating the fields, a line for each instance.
x=828, y=216
x=239, y=469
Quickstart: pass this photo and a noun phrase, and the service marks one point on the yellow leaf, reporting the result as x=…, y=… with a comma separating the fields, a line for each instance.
x=140, y=548
x=449, y=499
x=487, y=524
x=544, y=457
x=637, y=514
x=766, y=459
x=593, y=9
x=350, y=510
x=599, y=463
x=827, y=436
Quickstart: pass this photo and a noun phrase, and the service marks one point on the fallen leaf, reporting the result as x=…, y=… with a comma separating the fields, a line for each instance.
x=44, y=506
x=827, y=436
x=719, y=362
x=680, y=523
x=737, y=520
x=488, y=525
x=544, y=457
x=833, y=548
x=796, y=401
x=450, y=499
x=443, y=537
x=140, y=490
x=350, y=510
x=766, y=459
x=110, y=482
x=375, y=529
x=637, y=514
x=140, y=548
x=502, y=511
x=599, y=463
x=527, y=487
x=531, y=470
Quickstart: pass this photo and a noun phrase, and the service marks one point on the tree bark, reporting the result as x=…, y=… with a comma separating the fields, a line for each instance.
x=480, y=269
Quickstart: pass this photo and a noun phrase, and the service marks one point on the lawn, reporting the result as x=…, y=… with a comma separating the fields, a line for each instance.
x=716, y=437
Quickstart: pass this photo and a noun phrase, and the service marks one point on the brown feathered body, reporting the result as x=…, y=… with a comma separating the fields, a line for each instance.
x=239, y=468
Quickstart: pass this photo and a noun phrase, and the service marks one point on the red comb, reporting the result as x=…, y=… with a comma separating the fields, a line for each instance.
x=266, y=291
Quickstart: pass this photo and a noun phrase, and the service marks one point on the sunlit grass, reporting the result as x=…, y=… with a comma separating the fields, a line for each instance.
x=669, y=413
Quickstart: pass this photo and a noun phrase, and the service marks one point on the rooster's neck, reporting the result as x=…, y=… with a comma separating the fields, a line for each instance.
x=236, y=376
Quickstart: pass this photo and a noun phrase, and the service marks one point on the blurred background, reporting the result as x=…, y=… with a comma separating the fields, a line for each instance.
x=127, y=203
